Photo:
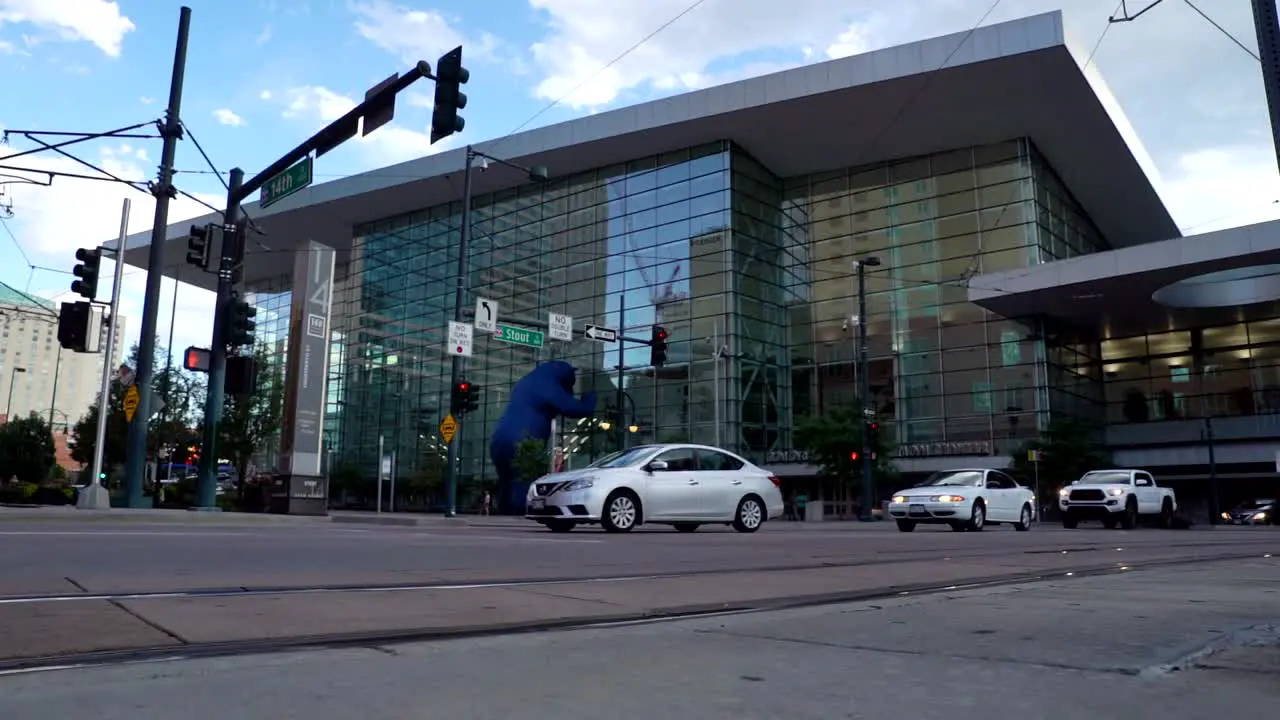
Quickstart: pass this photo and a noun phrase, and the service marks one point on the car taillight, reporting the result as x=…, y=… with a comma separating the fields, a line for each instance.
x=776, y=482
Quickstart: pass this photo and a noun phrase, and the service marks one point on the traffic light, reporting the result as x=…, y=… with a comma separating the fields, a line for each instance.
x=471, y=397
x=873, y=434
x=87, y=272
x=854, y=456
x=450, y=76
x=240, y=323
x=73, y=326
x=242, y=376
x=199, y=244
x=658, y=346
x=459, y=397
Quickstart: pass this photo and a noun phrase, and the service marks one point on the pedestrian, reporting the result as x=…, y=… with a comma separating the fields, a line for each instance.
x=801, y=501
x=486, y=503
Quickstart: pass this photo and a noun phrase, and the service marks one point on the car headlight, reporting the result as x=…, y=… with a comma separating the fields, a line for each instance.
x=1063, y=492
x=949, y=498
x=1226, y=516
x=1259, y=517
x=579, y=484
x=899, y=498
x=1115, y=492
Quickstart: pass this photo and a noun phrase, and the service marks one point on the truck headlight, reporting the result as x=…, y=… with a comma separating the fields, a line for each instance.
x=1115, y=492
x=1063, y=493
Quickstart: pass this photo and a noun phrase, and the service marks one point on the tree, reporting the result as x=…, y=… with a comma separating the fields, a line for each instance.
x=1068, y=449
x=531, y=459
x=249, y=421
x=26, y=449
x=833, y=438
x=428, y=477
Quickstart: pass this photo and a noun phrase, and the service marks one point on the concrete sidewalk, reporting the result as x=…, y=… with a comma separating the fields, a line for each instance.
x=1180, y=643
x=55, y=628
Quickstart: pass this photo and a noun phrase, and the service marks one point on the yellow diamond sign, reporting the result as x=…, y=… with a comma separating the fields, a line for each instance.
x=448, y=428
x=130, y=402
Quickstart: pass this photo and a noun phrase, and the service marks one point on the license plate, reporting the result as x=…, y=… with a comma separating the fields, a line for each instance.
x=917, y=510
x=537, y=504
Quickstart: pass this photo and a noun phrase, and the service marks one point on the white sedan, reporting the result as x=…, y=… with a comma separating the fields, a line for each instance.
x=685, y=486
x=965, y=500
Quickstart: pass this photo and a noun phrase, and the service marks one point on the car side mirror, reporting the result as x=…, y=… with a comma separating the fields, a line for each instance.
x=656, y=465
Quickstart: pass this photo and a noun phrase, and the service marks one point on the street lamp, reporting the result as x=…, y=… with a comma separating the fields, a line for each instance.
x=8, y=408
x=536, y=173
x=864, y=380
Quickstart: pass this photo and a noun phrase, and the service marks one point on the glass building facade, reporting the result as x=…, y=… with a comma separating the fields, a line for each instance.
x=752, y=275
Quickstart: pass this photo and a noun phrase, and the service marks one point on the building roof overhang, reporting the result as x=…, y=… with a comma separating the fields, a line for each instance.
x=1111, y=293
x=1010, y=80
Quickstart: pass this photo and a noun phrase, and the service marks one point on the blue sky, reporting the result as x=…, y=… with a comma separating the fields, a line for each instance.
x=264, y=74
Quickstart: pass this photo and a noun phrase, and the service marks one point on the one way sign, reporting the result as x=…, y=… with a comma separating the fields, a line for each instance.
x=600, y=334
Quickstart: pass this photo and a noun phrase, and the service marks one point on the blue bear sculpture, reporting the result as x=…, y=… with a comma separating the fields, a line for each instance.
x=536, y=399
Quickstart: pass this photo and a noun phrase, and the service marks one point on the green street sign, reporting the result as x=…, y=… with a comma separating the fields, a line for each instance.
x=286, y=183
x=519, y=336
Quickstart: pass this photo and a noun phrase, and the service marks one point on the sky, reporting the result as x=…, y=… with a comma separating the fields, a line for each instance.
x=262, y=75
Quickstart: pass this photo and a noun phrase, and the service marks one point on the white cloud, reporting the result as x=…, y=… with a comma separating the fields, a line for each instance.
x=264, y=37
x=50, y=233
x=97, y=21
x=228, y=117
x=264, y=95
x=146, y=100
x=414, y=35
x=390, y=144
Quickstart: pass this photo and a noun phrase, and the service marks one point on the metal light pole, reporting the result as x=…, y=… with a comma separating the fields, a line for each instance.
x=8, y=408
x=537, y=174
x=864, y=382
x=1266, y=21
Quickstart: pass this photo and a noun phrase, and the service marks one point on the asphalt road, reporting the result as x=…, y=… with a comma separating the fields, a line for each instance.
x=1188, y=642
x=61, y=557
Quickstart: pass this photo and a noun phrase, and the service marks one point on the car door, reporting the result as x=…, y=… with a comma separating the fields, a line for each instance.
x=1147, y=492
x=674, y=493
x=1001, y=497
x=722, y=483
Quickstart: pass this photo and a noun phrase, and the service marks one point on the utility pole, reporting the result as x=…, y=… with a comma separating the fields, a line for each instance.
x=536, y=173
x=864, y=384
x=1213, y=473
x=96, y=497
x=230, y=257
x=1266, y=21
x=171, y=132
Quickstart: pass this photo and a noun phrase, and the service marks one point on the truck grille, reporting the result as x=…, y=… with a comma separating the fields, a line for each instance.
x=1088, y=495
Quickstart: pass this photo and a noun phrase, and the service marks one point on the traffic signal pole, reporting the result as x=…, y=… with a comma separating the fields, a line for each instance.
x=171, y=131
x=455, y=367
x=864, y=387
x=95, y=496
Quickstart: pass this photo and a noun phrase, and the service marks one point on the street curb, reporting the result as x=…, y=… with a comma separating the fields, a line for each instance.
x=684, y=612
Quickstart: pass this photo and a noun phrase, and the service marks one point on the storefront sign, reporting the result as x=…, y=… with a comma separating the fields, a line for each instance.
x=943, y=449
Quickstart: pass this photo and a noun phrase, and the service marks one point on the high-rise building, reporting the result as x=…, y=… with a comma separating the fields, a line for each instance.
x=36, y=373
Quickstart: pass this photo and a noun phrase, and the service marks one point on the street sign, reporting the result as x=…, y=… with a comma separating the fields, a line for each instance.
x=286, y=183
x=130, y=402
x=460, y=337
x=486, y=315
x=448, y=428
x=560, y=327
x=600, y=333
x=519, y=336
x=125, y=375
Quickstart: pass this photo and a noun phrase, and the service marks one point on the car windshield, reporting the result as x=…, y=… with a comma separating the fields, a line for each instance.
x=1105, y=477
x=1253, y=504
x=623, y=458
x=954, y=478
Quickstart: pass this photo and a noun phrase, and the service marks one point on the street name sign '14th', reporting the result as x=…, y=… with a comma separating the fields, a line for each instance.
x=519, y=336
x=286, y=183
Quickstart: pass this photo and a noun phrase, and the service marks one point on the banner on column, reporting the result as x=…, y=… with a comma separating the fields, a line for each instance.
x=307, y=369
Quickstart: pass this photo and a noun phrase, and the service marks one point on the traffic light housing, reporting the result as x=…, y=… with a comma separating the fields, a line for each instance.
x=87, y=272
x=471, y=398
x=450, y=77
x=240, y=322
x=199, y=245
x=242, y=376
x=658, y=346
x=458, y=398
x=873, y=434
x=73, y=326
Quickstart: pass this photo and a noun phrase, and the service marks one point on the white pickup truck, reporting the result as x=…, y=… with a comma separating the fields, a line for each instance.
x=1116, y=497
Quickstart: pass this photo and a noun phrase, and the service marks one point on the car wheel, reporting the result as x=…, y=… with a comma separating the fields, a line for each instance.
x=621, y=512
x=1129, y=520
x=687, y=527
x=560, y=526
x=1024, y=520
x=906, y=526
x=979, y=518
x=1069, y=522
x=750, y=515
x=1166, y=514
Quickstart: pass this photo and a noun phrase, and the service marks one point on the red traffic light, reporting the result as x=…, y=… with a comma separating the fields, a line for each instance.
x=196, y=359
x=853, y=455
x=874, y=426
x=464, y=386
